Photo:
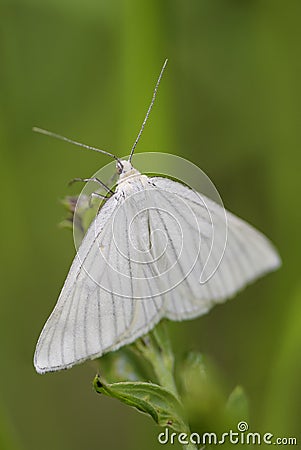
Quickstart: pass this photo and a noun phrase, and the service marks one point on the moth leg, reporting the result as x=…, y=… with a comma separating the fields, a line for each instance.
x=95, y=179
x=97, y=195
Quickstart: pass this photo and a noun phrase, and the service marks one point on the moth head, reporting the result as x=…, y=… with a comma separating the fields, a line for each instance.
x=123, y=167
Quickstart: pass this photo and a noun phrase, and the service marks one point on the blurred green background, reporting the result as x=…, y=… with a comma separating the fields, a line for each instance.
x=230, y=102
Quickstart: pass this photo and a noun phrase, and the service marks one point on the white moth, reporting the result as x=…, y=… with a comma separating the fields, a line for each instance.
x=148, y=254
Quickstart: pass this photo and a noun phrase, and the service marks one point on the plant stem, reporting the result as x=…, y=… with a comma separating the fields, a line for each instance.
x=156, y=349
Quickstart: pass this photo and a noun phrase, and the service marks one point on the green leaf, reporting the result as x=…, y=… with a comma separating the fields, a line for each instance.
x=122, y=365
x=160, y=333
x=149, y=398
x=85, y=210
x=66, y=223
x=202, y=394
x=237, y=405
x=155, y=347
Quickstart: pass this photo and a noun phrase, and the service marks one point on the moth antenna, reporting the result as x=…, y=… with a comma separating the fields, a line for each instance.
x=149, y=110
x=79, y=144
